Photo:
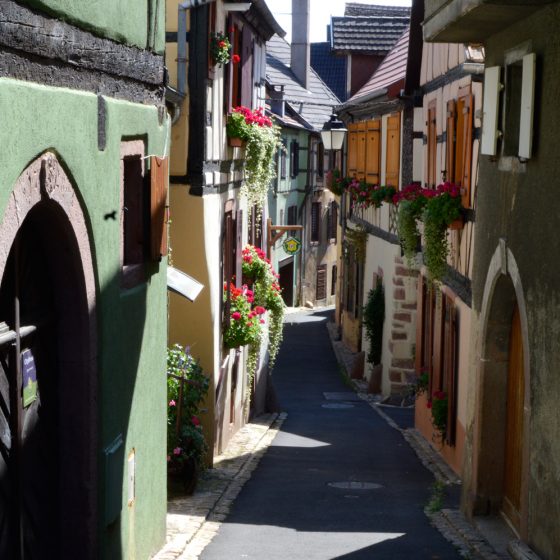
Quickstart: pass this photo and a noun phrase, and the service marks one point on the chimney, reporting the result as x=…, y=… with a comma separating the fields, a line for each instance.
x=300, y=56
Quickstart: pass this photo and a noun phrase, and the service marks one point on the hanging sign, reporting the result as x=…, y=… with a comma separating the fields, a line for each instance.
x=29, y=377
x=291, y=245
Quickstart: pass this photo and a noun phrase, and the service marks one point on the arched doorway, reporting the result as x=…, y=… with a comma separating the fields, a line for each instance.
x=503, y=411
x=48, y=482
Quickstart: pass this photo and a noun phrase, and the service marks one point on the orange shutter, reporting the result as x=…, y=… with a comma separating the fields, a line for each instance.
x=159, y=176
x=352, y=150
x=467, y=149
x=361, y=150
x=450, y=145
x=373, y=151
x=392, y=167
x=432, y=144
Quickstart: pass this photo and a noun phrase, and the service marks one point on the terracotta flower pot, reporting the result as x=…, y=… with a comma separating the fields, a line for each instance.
x=456, y=224
x=235, y=142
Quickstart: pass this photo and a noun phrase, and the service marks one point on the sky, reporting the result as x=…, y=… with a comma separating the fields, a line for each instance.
x=321, y=12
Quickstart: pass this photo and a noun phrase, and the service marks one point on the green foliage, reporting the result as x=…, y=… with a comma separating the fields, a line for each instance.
x=439, y=405
x=439, y=212
x=220, y=48
x=438, y=495
x=244, y=324
x=420, y=386
x=373, y=319
x=408, y=215
x=187, y=387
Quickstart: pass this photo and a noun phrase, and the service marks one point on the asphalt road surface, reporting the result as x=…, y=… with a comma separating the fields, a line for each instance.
x=337, y=482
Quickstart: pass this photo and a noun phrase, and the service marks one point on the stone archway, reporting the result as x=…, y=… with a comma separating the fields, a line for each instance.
x=503, y=295
x=47, y=286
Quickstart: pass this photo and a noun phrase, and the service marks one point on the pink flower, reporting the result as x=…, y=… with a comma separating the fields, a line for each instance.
x=177, y=451
x=172, y=403
x=262, y=321
x=259, y=310
x=195, y=420
x=236, y=315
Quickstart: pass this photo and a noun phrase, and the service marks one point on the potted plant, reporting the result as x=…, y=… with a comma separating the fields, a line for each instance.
x=187, y=387
x=262, y=139
x=442, y=208
x=411, y=201
x=439, y=404
x=380, y=194
x=220, y=48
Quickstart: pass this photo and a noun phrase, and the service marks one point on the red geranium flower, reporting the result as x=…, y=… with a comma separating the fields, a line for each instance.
x=235, y=58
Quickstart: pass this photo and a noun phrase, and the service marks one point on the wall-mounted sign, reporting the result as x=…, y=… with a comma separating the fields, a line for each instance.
x=291, y=245
x=29, y=377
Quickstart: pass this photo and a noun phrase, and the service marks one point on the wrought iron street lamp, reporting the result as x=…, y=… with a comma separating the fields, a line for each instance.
x=333, y=134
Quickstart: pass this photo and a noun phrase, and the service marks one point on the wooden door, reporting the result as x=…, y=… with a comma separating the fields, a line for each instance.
x=514, y=425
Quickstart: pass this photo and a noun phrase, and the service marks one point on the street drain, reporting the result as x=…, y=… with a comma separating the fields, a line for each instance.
x=337, y=405
x=354, y=485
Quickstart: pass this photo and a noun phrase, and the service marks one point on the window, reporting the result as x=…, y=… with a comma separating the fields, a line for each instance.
x=233, y=82
x=134, y=214
x=321, y=287
x=315, y=221
x=231, y=247
x=432, y=144
x=333, y=219
x=333, y=279
x=255, y=228
x=292, y=215
x=283, y=160
x=294, y=159
x=436, y=343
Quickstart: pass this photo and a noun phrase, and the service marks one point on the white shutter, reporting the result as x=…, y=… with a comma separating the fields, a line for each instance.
x=527, y=106
x=492, y=87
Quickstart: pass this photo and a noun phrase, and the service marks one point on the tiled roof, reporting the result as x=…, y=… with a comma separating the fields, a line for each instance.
x=375, y=10
x=371, y=34
x=391, y=72
x=331, y=68
x=313, y=105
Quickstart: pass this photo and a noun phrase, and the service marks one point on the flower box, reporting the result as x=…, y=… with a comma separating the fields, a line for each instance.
x=456, y=224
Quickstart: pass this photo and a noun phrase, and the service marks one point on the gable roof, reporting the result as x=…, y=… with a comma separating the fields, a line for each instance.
x=390, y=74
x=315, y=105
x=375, y=10
x=331, y=68
x=374, y=31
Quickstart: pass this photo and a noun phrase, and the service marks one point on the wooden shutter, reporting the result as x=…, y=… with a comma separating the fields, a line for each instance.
x=235, y=69
x=450, y=368
x=392, y=167
x=490, y=111
x=467, y=148
x=321, y=290
x=429, y=334
x=238, y=247
x=294, y=159
x=333, y=219
x=361, y=150
x=527, y=106
x=451, y=140
x=246, y=66
x=211, y=30
x=159, y=176
x=292, y=215
x=352, y=149
x=320, y=159
x=432, y=144
x=438, y=345
x=333, y=279
x=373, y=151
x=283, y=160
x=315, y=221
x=420, y=303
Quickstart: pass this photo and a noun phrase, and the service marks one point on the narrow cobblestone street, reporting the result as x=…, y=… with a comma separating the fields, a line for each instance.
x=337, y=481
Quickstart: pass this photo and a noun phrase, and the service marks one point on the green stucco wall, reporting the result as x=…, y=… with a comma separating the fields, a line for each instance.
x=125, y=21
x=522, y=207
x=132, y=331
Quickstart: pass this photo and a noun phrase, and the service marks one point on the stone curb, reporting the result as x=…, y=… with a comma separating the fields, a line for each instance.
x=193, y=521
